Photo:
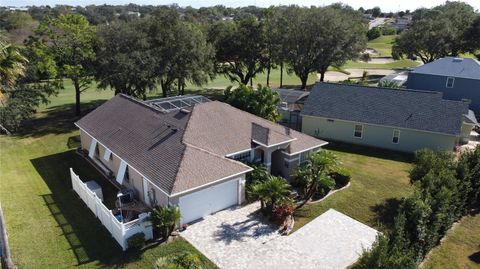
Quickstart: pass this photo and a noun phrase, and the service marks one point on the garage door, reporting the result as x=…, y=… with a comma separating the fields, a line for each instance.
x=207, y=201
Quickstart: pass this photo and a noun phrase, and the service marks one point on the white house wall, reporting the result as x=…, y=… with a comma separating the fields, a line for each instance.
x=376, y=136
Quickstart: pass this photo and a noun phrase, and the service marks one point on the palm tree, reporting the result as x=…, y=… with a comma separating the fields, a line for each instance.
x=270, y=192
x=314, y=174
x=12, y=64
x=276, y=190
x=165, y=218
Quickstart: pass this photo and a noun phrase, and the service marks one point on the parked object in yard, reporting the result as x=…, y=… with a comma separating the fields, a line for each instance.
x=94, y=187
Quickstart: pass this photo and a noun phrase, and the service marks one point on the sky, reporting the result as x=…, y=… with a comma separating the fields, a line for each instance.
x=385, y=5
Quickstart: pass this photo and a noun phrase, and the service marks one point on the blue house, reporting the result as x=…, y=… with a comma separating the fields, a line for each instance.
x=456, y=78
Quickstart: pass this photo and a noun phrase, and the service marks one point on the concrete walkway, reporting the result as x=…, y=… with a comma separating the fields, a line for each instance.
x=239, y=238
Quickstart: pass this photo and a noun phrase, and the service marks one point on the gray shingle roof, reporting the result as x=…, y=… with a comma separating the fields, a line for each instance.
x=143, y=136
x=451, y=66
x=419, y=110
x=181, y=150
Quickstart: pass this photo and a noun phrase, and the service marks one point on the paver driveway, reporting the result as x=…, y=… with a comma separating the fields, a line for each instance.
x=238, y=238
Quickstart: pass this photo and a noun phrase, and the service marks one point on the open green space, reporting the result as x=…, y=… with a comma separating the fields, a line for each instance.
x=379, y=180
x=399, y=64
x=383, y=45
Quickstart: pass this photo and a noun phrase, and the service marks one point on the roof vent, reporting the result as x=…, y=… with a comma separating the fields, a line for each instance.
x=457, y=60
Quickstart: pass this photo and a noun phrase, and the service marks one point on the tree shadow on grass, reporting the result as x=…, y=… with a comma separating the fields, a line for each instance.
x=55, y=120
x=88, y=239
x=385, y=212
x=370, y=151
x=475, y=257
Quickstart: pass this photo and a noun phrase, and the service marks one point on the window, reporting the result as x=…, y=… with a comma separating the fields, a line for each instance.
x=304, y=156
x=127, y=175
x=450, y=82
x=110, y=157
x=396, y=136
x=358, y=131
x=242, y=157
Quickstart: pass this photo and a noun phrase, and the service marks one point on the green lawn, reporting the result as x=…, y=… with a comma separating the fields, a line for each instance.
x=47, y=224
x=383, y=45
x=399, y=64
x=379, y=180
x=461, y=248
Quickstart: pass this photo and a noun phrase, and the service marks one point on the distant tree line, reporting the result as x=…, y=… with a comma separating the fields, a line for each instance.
x=446, y=30
x=445, y=190
x=168, y=46
x=135, y=49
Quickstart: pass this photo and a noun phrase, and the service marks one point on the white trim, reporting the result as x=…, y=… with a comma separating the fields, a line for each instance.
x=121, y=172
x=291, y=160
x=355, y=130
x=303, y=150
x=210, y=183
x=389, y=126
x=393, y=136
x=126, y=162
x=241, y=151
x=453, y=82
x=92, y=148
x=270, y=146
x=107, y=154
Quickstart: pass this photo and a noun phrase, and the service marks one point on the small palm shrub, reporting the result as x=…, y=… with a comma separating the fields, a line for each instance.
x=342, y=177
x=165, y=218
x=136, y=241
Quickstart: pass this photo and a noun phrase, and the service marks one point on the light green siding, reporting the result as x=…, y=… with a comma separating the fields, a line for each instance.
x=376, y=136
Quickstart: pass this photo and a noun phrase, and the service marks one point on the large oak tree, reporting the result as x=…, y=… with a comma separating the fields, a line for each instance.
x=71, y=40
x=318, y=38
x=436, y=33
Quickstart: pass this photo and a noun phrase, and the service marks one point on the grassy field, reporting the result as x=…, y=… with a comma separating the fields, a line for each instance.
x=47, y=224
x=461, y=247
x=383, y=45
x=379, y=181
x=400, y=64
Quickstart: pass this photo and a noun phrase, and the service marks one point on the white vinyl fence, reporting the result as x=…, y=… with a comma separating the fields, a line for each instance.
x=120, y=231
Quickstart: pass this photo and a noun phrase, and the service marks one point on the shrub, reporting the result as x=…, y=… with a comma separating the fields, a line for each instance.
x=136, y=241
x=183, y=260
x=341, y=177
x=374, y=33
x=165, y=218
x=281, y=211
x=389, y=31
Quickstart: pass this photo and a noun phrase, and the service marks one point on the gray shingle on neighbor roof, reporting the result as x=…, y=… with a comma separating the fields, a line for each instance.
x=291, y=96
x=419, y=110
x=451, y=66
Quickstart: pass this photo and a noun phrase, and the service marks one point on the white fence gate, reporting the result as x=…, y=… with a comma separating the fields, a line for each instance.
x=120, y=231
